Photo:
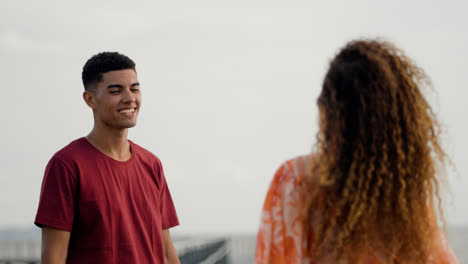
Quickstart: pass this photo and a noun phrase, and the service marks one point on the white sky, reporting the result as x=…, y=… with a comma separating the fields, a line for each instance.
x=229, y=90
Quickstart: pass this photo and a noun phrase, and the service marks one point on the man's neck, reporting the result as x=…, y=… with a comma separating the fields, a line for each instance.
x=113, y=143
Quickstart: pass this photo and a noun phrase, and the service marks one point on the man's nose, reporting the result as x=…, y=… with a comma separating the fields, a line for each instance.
x=128, y=96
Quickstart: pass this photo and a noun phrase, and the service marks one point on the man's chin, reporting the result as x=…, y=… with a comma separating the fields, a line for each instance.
x=127, y=125
x=130, y=126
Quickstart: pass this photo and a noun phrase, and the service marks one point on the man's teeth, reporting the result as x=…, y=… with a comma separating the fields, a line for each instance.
x=127, y=111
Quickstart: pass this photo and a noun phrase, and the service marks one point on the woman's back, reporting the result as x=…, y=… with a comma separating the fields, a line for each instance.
x=374, y=184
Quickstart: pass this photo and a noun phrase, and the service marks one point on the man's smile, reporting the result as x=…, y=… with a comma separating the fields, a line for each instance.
x=127, y=111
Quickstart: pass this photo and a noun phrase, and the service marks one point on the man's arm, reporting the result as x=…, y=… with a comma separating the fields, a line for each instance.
x=54, y=245
x=170, y=255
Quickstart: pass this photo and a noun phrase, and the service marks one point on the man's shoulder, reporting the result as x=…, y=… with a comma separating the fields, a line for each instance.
x=72, y=151
x=144, y=153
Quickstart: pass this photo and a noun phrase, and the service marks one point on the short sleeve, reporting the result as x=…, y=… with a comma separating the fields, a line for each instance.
x=271, y=238
x=57, y=200
x=168, y=212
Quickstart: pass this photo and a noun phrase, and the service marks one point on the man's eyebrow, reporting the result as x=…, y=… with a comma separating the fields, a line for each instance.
x=121, y=86
x=114, y=86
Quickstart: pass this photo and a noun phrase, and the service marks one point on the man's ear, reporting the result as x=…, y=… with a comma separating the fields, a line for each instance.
x=89, y=99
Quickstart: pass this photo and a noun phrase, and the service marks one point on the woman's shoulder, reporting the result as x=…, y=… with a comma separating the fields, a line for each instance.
x=294, y=171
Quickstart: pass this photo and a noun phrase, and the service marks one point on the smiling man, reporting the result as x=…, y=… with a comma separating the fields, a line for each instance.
x=104, y=199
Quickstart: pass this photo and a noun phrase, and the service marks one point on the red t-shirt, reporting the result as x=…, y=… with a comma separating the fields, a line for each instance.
x=115, y=211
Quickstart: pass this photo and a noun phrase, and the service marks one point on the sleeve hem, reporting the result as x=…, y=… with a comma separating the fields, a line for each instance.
x=42, y=222
x=170, y=225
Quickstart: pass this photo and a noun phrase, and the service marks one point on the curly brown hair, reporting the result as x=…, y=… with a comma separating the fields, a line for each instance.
x=378, y=157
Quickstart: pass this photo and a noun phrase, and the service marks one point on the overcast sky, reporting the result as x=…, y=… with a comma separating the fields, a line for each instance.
x=229, y=90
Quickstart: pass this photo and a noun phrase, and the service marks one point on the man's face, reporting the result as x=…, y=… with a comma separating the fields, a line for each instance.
x=117, y=99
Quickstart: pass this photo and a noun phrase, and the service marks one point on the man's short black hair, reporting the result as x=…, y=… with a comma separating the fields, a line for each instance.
x=101, y=63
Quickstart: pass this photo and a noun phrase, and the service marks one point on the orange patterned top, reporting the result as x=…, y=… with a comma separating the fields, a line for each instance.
x=280, y=238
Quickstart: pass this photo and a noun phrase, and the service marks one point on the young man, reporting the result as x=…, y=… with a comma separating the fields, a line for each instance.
x=104, y=199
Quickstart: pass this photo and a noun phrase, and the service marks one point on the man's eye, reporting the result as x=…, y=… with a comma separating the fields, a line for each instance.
x=135, y=90
x=114, y=91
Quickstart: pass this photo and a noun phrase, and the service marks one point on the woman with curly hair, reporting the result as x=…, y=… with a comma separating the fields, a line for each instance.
x=370, y=192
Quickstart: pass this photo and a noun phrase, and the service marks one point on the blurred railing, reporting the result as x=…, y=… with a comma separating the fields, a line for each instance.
x=22, y=251
x=214, y=251
x=219, y=250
